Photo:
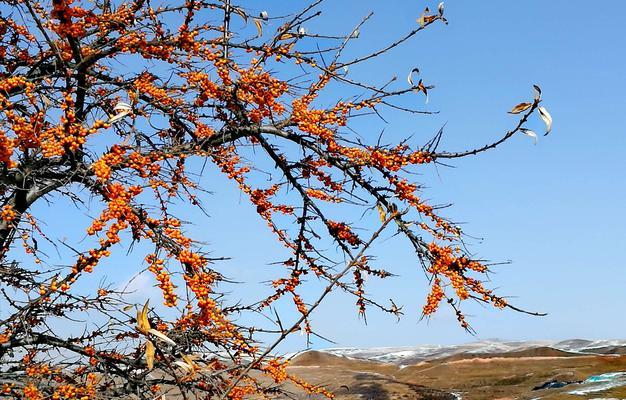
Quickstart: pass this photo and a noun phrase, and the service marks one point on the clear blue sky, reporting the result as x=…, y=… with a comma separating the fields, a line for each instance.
x=556, y=210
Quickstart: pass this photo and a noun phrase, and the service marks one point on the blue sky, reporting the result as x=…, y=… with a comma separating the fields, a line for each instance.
x=555, y=210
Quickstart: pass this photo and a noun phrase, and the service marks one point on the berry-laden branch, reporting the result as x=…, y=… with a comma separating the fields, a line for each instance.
x=118, y=108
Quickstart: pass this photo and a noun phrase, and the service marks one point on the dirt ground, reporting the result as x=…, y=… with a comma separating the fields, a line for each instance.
x=475, y=377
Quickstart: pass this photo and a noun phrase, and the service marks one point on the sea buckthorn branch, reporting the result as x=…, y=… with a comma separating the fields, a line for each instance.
x=327, y=290
x=422, y=248
x=340, y=232
x=493, y=145
x=77, y=122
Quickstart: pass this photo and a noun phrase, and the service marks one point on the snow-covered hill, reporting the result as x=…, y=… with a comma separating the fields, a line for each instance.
x=415, y=354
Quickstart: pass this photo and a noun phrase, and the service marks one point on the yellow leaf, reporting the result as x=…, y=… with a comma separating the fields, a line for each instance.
x=521, y=107
x=189, y=359
x=143, y=325
x=286, y=36
x=150, y=354
x=382, y=212
x=259, y=26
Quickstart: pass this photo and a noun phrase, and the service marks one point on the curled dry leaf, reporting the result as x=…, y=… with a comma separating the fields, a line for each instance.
x=530, y=134
x=537, y=92
x=150, y=354
x=422, y=88
x=409, y=78
x=259, y=26
x=241, y=13
x=547, y=119
x=440, y=8
x=122, y=107
x=521, y=107
x=143, y=325
x=187, y=363
x=117, y=117
x=162, y=336
x=264, y=15
x=183, y=365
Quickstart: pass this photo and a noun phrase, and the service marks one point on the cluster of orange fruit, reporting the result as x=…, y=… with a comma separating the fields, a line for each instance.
x=342, y=232
x=8, y=214
x=446, y=263
x=165, y=283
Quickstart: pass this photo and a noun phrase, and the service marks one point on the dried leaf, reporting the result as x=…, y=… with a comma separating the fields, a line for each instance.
x=425, y=18
x=117, y=117
x=422, y=88
x=286, y=35
x=46, y=100
x=143, y=325
x=241, y=13
x=128, y=307
x=382, y=212
x=537, y=92
x=188, y=363
x=121, y=107
x=440, y=8
x=409, y=78
x=264, y=15
x=547, y=119
x=184, y=366
x=162, y=336
x=521, y=107
x=189, y=359
x=530, y=134
x=150, y=354
x=421, y=20
x=259, y=26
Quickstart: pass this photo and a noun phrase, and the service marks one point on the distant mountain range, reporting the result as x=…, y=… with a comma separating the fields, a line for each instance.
x=485, y=370
x=415, y=354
